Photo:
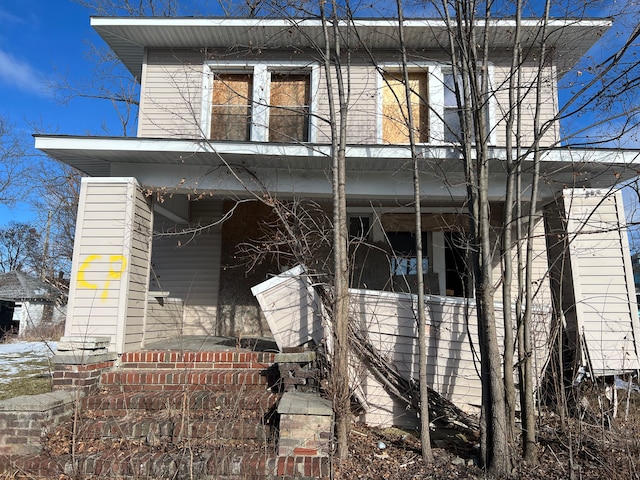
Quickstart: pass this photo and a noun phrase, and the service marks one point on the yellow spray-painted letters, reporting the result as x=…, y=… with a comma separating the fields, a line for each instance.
x=117, y=266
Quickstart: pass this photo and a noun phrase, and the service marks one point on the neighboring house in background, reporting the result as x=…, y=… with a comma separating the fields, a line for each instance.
x=230, y=108
x=27, y=302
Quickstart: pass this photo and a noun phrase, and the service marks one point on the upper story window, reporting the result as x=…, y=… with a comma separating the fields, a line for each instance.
x=432, y=102
x=451, y=113
x=289, y=106
x=259, y=102
x=395, y=111
x=231, y=106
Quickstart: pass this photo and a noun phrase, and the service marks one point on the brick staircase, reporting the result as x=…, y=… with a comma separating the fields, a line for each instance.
x=169, y=414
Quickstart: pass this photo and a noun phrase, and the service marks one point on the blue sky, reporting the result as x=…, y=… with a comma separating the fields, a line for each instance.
x=40, y=39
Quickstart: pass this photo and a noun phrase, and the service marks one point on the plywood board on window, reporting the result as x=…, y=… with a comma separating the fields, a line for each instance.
x=289, y=101
x=231, y=107
x=395, y=114
x=431, y=222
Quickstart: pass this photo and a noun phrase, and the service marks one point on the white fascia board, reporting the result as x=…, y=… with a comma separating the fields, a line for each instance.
x=309, y=22
x=128, y=180
x=133, y=145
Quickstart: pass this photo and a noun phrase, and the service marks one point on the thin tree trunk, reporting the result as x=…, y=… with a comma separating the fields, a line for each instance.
x=471, y=97
x=507, y=225
x=340, y=366
x=526, y=380
x=425, y=437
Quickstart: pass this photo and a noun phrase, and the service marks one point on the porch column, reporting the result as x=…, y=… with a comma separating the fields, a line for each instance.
x=111, y=261
x=591, y=263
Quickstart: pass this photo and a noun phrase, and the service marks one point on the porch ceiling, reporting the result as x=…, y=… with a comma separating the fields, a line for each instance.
x=104, y=156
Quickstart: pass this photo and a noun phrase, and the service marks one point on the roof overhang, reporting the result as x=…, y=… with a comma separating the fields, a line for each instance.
x=128, y=36
x=107, y=156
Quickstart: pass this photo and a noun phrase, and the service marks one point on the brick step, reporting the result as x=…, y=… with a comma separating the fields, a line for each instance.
x=168, y=380
x=199, y=428
x=152, y=359
x=182, y=463
x=119, y=404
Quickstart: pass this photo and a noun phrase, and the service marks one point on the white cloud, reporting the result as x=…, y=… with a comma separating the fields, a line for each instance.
x=4, y=15
x=18, y=73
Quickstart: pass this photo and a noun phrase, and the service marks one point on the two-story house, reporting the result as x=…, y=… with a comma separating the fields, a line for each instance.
x=234, y=109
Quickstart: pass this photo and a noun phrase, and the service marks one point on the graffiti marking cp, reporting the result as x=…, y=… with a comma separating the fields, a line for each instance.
x=117, y=266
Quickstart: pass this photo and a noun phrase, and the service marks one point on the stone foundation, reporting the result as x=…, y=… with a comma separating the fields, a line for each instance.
x=80, y=362
x=306, y=421
x=25, y=420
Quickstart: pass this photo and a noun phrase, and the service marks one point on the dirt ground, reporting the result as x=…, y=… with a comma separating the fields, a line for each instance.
x=581, y=450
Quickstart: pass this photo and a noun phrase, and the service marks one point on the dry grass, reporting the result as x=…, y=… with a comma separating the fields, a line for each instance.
x=32, y=380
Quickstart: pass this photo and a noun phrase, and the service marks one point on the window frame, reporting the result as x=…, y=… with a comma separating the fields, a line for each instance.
x=435, y=103
x=433, y=86
x=293, y=72
x=261, y=73
x=423, y=104
x=224, y=76
x=490, y=120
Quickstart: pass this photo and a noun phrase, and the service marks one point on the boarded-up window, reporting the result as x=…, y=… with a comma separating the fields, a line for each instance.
x=289, y=108
x=231, y=107
x=395, y=120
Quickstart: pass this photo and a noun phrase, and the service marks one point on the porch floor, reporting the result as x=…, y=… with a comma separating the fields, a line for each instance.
x=199, y=343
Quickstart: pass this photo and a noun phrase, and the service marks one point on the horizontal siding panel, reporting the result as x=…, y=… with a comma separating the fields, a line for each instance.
x=391, y=327
x=104, y=204
x=547, y=108
x=170, y=98
x=191, y=272
x=106, y=249
x=109, y=229
x=91, y=241
x=607, y=257
x=163, y=321
x=96, y=330
x=600, y=279
x=105, y=231
x=97, y=191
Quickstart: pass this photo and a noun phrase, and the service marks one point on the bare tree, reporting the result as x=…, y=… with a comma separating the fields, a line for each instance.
x=19, y=248
x=14, y=162
x=425, y=436
x=58, y=189
x=469, y=53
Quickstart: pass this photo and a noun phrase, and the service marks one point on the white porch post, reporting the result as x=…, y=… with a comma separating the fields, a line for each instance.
x=111, y=261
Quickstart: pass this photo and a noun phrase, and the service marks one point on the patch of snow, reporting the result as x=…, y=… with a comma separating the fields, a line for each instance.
x=15, y=357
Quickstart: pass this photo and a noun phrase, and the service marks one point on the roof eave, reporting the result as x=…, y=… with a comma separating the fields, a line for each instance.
x=101, y=151
x=128, y=36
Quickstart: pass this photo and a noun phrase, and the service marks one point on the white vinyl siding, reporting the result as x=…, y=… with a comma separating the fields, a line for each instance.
x=164, y=319
x=170, y=95
x=171, y=98
x=292, y=312
x=548, y=106
x=139, y=257
x=279, y=298
x=540, y=268
x=452, y=348
x=604, y=293
x=361, y=116
x=188, y=267
x=107, y=293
